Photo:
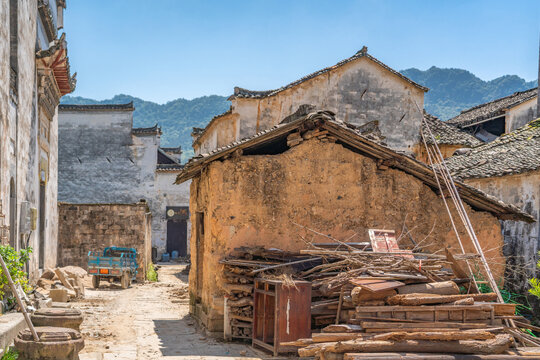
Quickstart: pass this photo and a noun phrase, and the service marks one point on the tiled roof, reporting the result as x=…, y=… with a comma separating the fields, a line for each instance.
x=154, y=130
x=172, y=150
x=493, y=108
x=97, y=107
x=351, y=138
x=513, y=153
x=447, y=134
x=244, y=93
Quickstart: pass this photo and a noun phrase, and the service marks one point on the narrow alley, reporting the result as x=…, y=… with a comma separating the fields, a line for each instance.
x=149, y=321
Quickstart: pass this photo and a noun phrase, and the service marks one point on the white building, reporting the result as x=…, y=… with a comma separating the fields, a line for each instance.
x=103, y=159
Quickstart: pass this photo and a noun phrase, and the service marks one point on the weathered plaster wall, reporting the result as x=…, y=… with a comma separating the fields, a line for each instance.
x=520, y=115
x=220, y=132
x=254, y=200
x=92, y=227
x=98, y=161
x=358, y=92
x=521, y=239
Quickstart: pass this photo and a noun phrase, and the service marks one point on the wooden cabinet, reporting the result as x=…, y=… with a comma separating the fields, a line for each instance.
x=281, y=313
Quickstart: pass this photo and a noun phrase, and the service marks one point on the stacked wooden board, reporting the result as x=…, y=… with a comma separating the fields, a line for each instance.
x=366, y=302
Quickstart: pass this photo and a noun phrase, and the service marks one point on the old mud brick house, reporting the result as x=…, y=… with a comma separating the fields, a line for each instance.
x=509, y=168
x=360, y=90
x=34, y=75
x=91, y=227
x=321, y=173
x=104, y=160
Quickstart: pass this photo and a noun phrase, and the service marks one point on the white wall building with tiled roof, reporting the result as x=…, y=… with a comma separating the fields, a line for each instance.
x=103, y=159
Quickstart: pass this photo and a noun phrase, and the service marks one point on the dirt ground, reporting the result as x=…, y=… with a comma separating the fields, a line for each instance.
x=150, y=321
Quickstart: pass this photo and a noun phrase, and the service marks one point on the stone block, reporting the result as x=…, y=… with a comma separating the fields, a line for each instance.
x=63, y=278
x=59, y=295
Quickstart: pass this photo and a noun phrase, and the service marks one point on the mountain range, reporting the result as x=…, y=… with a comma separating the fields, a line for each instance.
x=451, y=90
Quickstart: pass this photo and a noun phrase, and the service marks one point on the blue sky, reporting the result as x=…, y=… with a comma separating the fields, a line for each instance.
x=161, y=50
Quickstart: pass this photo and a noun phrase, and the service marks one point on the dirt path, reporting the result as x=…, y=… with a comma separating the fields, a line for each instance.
x=149, y=321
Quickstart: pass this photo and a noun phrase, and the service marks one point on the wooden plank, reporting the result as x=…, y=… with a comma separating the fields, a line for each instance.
x=370, y=309
x=374, y=284
x=426, y=356
x=425, y=299
x=461, y=270
x=426, y=325
x=342, y=328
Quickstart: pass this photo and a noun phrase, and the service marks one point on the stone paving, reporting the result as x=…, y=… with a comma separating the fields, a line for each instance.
x=150, y=321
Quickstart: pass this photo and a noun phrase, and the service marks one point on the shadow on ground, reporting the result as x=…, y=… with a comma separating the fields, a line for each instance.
x=181, y=338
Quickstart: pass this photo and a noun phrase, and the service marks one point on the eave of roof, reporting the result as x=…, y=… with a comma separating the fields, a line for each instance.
x=154, y=130
x=492, y=109
x=172, y=150
x=474, y=197
x=55, y=58
x=98, y=107
x=169, y=167
x=245, y=93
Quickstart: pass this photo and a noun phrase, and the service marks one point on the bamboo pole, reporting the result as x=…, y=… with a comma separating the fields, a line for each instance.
x=19, y=301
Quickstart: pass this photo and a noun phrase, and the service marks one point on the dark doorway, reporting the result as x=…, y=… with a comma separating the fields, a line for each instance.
x=12, y=213
x=199, y=251
x=177, y=217
x=41, y=225
x=177, y=236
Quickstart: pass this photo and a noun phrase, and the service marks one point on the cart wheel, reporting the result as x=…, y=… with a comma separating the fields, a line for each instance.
x=124, y=281
x=95, y=281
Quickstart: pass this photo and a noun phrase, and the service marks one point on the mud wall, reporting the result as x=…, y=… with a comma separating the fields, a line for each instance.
x=92, y=227
x=255, y=200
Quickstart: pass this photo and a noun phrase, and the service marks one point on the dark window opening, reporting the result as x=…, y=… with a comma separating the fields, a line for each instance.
x=273, y=147
x=199, y=228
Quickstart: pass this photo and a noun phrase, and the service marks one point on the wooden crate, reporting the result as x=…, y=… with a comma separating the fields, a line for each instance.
x=281, y=313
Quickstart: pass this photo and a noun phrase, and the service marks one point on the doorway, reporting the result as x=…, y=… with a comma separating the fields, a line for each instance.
x=177, y=218
x=177, y=237
x=41, y=225
x=12, y=213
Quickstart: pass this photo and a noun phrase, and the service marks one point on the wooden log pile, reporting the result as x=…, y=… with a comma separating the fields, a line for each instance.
x=364, y=302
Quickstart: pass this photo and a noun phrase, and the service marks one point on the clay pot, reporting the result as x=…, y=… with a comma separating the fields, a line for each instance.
x=54, y=344
x=69, y=318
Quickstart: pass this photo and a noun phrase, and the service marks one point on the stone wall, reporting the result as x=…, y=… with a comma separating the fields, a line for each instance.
x=92, y=227
x=358, y=92
x=255, y=201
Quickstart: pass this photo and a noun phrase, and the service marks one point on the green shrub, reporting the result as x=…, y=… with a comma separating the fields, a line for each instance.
x=15, y=261
x=535, y=283
x=10, y=354
x=151, y=273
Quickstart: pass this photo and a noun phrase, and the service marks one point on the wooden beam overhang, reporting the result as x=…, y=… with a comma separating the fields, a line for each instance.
x=380, y=153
